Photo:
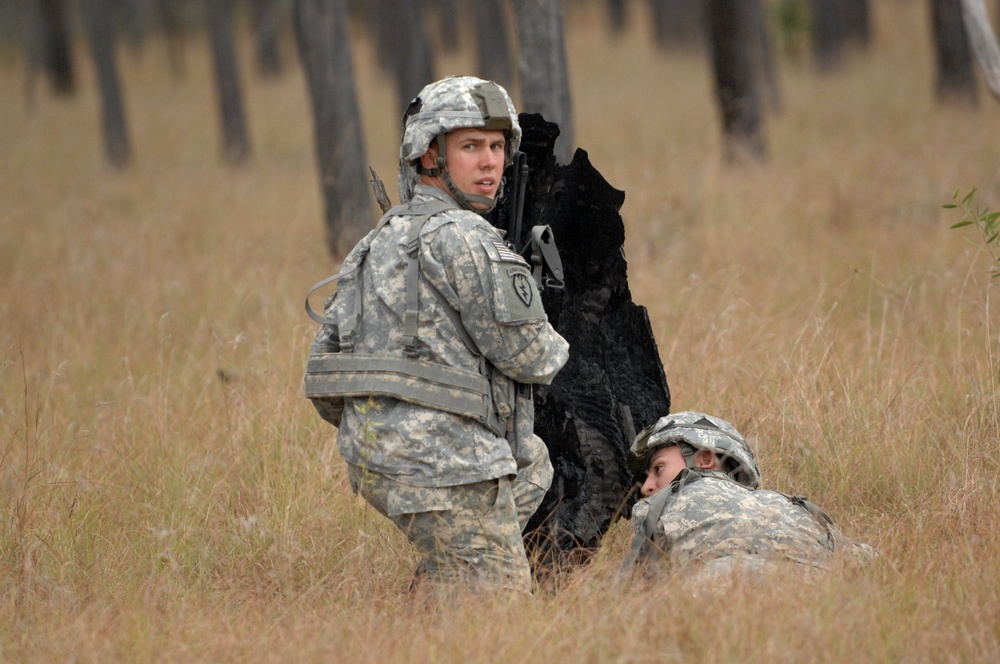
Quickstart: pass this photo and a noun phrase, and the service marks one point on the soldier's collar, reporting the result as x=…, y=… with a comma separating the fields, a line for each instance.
x=689, y=475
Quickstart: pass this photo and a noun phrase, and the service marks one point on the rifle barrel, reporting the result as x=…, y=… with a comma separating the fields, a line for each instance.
x=517, y=204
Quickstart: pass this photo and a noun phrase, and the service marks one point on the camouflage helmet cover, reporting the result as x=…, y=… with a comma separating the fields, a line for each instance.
x=702, y=432
x=452, y=103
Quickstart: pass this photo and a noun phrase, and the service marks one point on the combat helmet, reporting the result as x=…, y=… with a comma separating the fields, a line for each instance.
x=452, y=103
x=698, y=431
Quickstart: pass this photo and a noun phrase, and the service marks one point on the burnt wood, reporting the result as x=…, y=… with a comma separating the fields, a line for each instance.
x=614, y=383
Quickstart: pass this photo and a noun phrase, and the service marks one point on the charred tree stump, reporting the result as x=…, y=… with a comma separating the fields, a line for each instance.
x=613, y=383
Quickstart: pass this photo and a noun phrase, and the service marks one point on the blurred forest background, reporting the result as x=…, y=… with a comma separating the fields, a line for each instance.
x=167, y=494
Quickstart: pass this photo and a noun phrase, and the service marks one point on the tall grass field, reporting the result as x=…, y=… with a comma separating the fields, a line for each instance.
x=167, y=494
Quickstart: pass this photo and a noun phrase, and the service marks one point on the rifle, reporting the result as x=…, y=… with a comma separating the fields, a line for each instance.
x=378, y=188
x=540, y=251
x=518, y=185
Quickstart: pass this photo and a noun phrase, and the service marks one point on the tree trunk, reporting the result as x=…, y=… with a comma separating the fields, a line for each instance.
x=140, y=17
x=33, y=48
x=984, y=42
x=403, y=47
x=493, y=56
x=383, y=27
x=325, y=53
x=236, y=146
x=956, y=80
x=857, y=22
x=266, y=20
x=828, y=32
x=447, y=14
x=99, y=20
x=733, y=38
x=57, y=60
x=617, y=15
x=764, y=60
x=543, y=70
x=173, y=31
x=677, y=23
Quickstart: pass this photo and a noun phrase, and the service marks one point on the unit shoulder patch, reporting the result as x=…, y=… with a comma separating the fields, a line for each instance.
x=516, y=297
x=522, y=286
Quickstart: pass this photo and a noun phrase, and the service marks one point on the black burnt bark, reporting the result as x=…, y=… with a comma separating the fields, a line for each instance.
x=613, y=383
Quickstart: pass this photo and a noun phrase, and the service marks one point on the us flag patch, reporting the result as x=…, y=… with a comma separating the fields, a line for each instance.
x=507, y=254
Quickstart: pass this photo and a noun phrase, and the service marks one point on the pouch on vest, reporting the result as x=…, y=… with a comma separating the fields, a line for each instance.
x=332, y=376
x=327, y=342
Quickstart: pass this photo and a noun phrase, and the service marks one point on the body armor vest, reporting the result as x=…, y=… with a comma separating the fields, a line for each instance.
x=340, y=372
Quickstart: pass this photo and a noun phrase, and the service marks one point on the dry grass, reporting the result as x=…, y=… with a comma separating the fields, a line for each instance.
x=168, y=495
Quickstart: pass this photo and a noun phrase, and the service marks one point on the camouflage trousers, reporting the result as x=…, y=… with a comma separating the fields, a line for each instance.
x=469, y=533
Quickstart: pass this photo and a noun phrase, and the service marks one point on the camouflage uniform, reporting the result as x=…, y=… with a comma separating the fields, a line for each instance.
x=710, y=519
x=716, y=522
x=461, y=491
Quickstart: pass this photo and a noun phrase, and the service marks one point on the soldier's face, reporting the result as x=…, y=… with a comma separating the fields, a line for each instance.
x=663, y=468
x=475, y=160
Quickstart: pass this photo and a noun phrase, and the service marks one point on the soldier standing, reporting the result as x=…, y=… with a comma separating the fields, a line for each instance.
x=431, y=344
x=703, y=513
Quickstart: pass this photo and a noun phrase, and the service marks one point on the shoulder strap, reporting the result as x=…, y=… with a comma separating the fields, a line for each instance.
x=421, y=212
x=324, y=320
x=835, y=540
x=643, y=540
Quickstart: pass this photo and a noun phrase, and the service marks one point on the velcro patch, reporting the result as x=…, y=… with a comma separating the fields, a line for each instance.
x=506, y=254
x=522, y=286
x=515, y=295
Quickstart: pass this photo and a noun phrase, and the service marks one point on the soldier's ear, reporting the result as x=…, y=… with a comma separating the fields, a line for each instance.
x=429, y=159
x=705, y=459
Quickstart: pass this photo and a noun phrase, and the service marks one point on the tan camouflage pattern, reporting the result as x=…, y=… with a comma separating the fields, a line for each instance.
x=460, y=493
x=446, y=105
x=688, y=427
x=711, y=525
x=418, y=445
x=471, y=533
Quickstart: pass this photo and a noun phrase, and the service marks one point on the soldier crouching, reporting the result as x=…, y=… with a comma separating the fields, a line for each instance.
x=431, y=344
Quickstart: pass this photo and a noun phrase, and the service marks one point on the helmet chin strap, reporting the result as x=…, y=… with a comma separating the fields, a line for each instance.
x=462, y=198
x=687, y=451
